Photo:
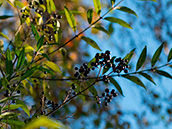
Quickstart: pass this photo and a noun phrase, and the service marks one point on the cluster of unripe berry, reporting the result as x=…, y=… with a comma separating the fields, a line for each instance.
x=107, y=96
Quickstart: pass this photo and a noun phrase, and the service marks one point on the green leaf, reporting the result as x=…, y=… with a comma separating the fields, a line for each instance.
x=44, y=121
x=118, y=21
x=24, y=106
x=129, y=55
x=148, y=77
x=126, y=9
x=135, y=80
x=70, y=18
x=97, y=6
x=93, y=91
x=73, y=12
x=8, y=98
x=102, y=29
x=89, y=15
x=115, y=83
x=46, y=56
x=156, y=55
x=52, y=66
x=16, y=106
x=35, y=33
x=4, y=36
x=3, y=17
x=110, y=28
x=13, y=122
x=163, y=73
x=141, y=59
x=40, y=42
x=9, y=64
x=169, y=55
x=91, y=42
x=29, y=73
x=21, y=58
x=112, y=2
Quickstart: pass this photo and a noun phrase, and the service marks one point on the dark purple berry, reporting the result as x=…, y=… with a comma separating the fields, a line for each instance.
x=107, y=90
x=125, y=71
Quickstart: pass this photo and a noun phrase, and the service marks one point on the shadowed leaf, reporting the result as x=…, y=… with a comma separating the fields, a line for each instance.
x=141, y=59
x=118, y=21
x=156, y=55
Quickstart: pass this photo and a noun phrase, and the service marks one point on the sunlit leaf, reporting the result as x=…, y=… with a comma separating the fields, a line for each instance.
x=35, y=33
x=19, y=4
x=40, y=42
x=3, y=17
x=97, y=6
x=70, y=18
x=169, y=55
x=21, y=59
x=91, y=42
x=44, y=121
x=163, y=73
x=148, y=77
x=115, y=83
x=126, y=9
x=89, y=15
x=141, y=59
x=50, y=6
x=118, y=21
x=156, y=55
x=102, y=29
x=6, y=114
x=52, y=66
x=4, y=36
x=8, y=98
x=135, y=80
x=112, y=2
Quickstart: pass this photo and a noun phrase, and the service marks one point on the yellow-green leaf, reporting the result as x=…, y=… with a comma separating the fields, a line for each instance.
x=3, y=35
x=97, y=6
x=52, y=66
x=70, y=18
x=44, y=121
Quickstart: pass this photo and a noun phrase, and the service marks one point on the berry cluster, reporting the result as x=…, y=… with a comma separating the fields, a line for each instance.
x=82, y=72
x=108, y=96
x=105, y=60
